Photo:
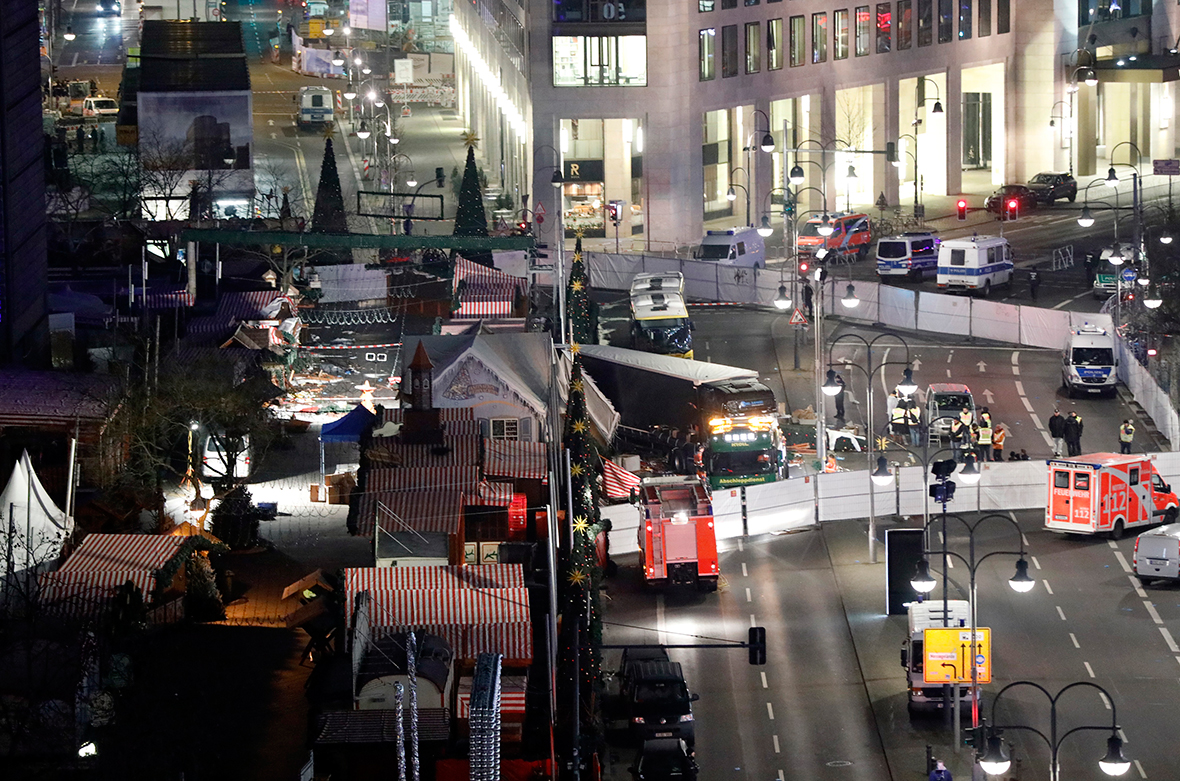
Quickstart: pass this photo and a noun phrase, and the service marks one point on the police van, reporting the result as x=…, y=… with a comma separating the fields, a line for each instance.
x=733, y=247
x=315, y=107
x=974, y=265
x=909, y=255
x=1088, y=361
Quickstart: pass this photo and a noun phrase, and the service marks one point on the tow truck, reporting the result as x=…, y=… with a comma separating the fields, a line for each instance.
x=677, y=538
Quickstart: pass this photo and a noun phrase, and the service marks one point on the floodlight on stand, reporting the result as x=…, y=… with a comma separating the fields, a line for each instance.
x=1021, y=582
x=357, y=60
x=881, y=475
x=371, y=94
x=830, y=386
x=1114, y=763
x=346, y=30
x=782, y=300
x=796, y=176
x=907, y=386
x=922, y=582
x=1112, y=179
x=764, y=230
x=825, y=225
x=970, y=473
x=850, y=301
x=767, y=143
x=1087, y=219
x=995, y=760
x=362, y=132
x=731, y=194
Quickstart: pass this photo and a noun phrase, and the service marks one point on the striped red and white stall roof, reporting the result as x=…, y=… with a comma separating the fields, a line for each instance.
x=511, y=458
x=88, y=592
x=445, y=414
x=491, y=494
x=378, y=580
x=123, y=552
x=440, y=607
x=514, y=641
x=512, y=695
x=423, y=511
x=485, y=292
x=441, y=478
x=462, y=451
x=617, y=481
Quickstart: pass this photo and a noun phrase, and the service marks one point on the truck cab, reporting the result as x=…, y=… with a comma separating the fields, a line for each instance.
x=974, y=265
x=677, y=538
x=1088, y=361
x=932, y=613
x=1106, y=493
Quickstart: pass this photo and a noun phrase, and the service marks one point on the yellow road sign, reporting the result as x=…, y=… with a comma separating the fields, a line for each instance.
x=948, y=651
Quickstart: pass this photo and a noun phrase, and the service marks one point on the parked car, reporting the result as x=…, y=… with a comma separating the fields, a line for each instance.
x=1049, y=186
x=1025, y=197
x=1157, y=552
x=664, y=759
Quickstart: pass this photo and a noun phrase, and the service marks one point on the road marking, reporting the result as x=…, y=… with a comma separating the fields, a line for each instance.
x=1068, y=301
x=1089, y=669
x=1112, y=544
x=1027, y=406
x=776, y=748
x=1139, y=767
x=948, y=374
x=1155, y=616
x=1020, y=387
x=1123, y=735
x=765, y=685
x=745, y=572
x=769, y=709
x=1047, y=588
x=950, y=563
x=661, y=635
x=1168, y=639
x=1036, y=563
x=753, y=620
x=950, y=356
x=780, y=776
x=1022, y=537
x=1118, y=554
x=749, y=598
x=1105, y=700
x=740, y=546
x=1060, y=612
x=1137, y=586
x=1073, y=637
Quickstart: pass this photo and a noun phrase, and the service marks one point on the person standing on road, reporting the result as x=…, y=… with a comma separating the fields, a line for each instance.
x=957, y=436
x=1034, y=281
x=840, y=398
x=966, y=418
x=913, y=419
x=940, y=773
x=807, y=294
x=1126, y=436
x=1057, y=431
x=983, y=441
x=898, y=424
x=985, y=417
x=1072, y=433
x=998, y=438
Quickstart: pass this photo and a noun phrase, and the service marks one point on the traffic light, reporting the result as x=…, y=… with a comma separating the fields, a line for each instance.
x=1013, y=209
x=757, y=645
x=788, y=205
x=804, y=267
x=612, y=211
x=941, y=492
x=440, y=178
x=890, y=152
x=962, y=207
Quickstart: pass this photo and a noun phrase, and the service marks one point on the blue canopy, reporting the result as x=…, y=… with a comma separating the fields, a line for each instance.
x=350, y=427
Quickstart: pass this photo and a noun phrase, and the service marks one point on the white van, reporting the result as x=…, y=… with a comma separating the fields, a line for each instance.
x=976, y=264
x=1088, y=361
x=925, y=615
x=666, y=282
x=946, y=400
x=910, y=255
x=733, y=247
x=1157, y=554
x=315, y=107
x=213, y=456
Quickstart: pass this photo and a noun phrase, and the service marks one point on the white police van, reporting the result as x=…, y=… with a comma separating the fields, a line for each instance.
x=909, y=255
x=733, y=247
x=315, y=107
x=1088, y=361
x=974, y=265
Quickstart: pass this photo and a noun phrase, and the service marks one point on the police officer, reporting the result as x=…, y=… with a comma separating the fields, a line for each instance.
x=983, y=442
x=898, y=424
x=1072, y=432
x=985, y=417
x=913, y=419
x=1034, y=281
x=966, y=418
x=957, y=436
x=1126, y=436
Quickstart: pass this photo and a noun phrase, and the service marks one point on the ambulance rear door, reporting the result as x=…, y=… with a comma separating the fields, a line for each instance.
x=1112, y=490
x=1071, y=501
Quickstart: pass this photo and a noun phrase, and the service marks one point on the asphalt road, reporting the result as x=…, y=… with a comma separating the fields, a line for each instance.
x=832, y=704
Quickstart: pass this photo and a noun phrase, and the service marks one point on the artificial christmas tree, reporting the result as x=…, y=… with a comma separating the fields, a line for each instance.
x=329, y=216
x=470, y=217
x=580, y=310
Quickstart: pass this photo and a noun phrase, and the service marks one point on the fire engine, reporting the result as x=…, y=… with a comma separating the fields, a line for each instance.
x=1106, y=492
x=677, y=538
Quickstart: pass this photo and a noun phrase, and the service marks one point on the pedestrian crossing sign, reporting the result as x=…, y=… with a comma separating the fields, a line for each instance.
x=797, y=318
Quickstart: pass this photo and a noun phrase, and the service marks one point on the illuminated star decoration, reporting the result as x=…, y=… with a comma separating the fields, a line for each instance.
x=580, y=524
x=577, y=257
x=882, y=443
x=579, y=233
x=579, y=427
x=577, y=286
x=575, y=348
x=469, y=139
x=578, y=385
x=576, y=470
x=577, y=577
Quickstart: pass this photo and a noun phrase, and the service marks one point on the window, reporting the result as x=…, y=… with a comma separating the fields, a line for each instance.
x=991, y=256
x=798, y=41
x=595, y=61
x=1081, y=481
x=729, y=51
x=841, y=52
x=985, y=18
x=774, y=44
x=884, y=27
x=1003, y=17
x=819, y=37
x=726, y=4
x=965, y=13
x=751, y=2
x=946, y=21
x=925, y=22
x=1133, y=479
x=753, y=47
x=958, y=257
x=708, y=48
x=705, y=6
x=1060, y=479
x=505, y=428
x=905, y=24
x=862, y=30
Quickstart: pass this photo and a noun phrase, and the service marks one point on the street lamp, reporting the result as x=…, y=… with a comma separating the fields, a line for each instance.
x=731, y=194
x=918, y=103
x=850, y=301
x=1152, y=299
x=363, y=131
x=995, y=760
x=1087, y=219
x=764, y=230
x=69, y=36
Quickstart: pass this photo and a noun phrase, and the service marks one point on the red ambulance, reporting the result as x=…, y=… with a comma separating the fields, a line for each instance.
x=1106, y=492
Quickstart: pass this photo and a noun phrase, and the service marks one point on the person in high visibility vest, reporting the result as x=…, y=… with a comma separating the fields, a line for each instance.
x=985, y=417
x=830, y=464
x=983, y=442
x=898, y=425
x=1126, y=436
x=913, y=419
x=957, y=436
x=998, y=443
x=966, y=417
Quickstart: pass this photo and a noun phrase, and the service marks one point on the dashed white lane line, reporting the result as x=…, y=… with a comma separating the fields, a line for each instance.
x=1072, y=637
x=1036, y=563
x=781, y=777
x=1061, y=612
x=740, y=546
x=1105, y=701
x=1139, y=767
x=1020, y=387
x=1151, y=611
x=1022, y=537
x=1118, y=554
x=749, y=597
x=765, y=685
x=776, y=748
x=1113, y=544
x=1123, y=736
x=1089, y=669
x=753, y=620
x=1027, y=406
x=1135, y=584
x=1169, y=640
x=770, y=711
x=1047, y=588
x=745, y=572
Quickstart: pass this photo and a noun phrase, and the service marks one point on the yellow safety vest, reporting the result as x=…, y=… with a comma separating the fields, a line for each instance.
x=913, y=416
x=897, y=415
x=1126, y=433
x=985, y=436
x=965, y=417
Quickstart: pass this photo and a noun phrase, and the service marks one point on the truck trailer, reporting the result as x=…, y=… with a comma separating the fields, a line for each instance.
x=701, y=417
x=677, y=538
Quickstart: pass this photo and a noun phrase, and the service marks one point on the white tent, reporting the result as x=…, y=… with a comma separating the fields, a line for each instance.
x=32, y=528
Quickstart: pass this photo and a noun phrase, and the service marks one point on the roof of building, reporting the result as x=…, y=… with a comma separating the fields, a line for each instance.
x=192, y=57
x=46, y=398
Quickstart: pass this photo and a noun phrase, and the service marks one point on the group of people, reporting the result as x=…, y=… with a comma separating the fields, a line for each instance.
x=1066, y=432
x=970, y=434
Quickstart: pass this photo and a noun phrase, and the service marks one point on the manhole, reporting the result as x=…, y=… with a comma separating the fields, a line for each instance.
x=839, y=763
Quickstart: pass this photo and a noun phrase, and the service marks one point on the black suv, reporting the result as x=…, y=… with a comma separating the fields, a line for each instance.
x=664, y=759
x=656, y=698
x=1050, y=186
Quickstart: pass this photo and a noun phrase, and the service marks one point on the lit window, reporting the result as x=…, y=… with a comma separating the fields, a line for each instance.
x=753, y=47
x=505, y=428
x=708, y=53
x=819, y=37
x=598, y=61
x=774, y=44
x=798, y=40
x=863, y=20
x=841, y=52
x=884, y=27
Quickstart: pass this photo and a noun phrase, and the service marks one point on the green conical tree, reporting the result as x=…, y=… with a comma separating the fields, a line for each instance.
x=329, y=216
x=582, y=312
x=470, y=217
